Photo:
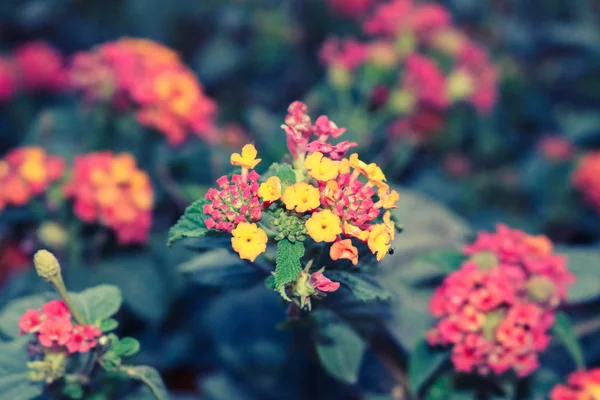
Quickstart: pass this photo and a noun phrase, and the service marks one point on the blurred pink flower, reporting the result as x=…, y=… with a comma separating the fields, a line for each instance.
x=40, y=66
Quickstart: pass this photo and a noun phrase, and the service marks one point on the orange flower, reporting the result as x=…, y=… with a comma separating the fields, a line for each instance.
x=540, y=244
x=343, y=249
x=109, y=189
x=27, y=172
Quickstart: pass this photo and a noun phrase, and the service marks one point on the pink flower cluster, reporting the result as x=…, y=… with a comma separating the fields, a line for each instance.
x=149, y=79
x=581, y=385
x=586, y=178
x=33, y=67
x=299, y=130
x=54, y=328
x=405, y=36
x=235, y=201
x=496, y=310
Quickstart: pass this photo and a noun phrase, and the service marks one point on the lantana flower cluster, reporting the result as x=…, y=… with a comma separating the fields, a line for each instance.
x=581, y=385
x=54, y=329
x=324, y=196
x=149, y=79
x=109, y=189
x=32, y=67
x=27, y=172
x=434, y=66
x=586, y=178
x=496, y=310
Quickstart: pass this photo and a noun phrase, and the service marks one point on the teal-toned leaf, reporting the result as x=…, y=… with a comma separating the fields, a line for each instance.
x=285, y=173
x=424, y=362
x=108, y=325
x=191, y=224
x=339, y=347
x=585, y=265
x=564, y=332
x=447, y=261
x=362, y=287
x=288, y=262
x=98, y=303
x=126, y=346
x=14, y=384
x=151, y=378
x=73, y=390
x=441, y=389
x=12, y=312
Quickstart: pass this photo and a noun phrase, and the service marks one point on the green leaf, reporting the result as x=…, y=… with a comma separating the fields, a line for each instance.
x=73, y=390
x=126, y=347
x=285, y=172
x=98, y=303
x=585, y=265
x=446, y=261
x=339, y=347
x=424, y=362
x=10, y=315
x=564, y=332
x=14, y=383
x=108, y=325
x=151, y=378
x=362, y=287
x=441, y=389
x=288, y=262
x=191, y=224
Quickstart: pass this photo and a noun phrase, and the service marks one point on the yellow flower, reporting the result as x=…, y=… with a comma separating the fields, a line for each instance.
x=122, y=167
x=301, y=197
x=388, y=199
x=33, y=170
x=379, y=241
x=324, y=226
x=321, y=168
x=390, y=226
x=249, y=241
x=371, y=171
x=247, y=159
x=271, y=189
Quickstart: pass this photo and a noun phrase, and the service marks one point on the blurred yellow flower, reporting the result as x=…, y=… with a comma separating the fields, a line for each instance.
x=271, y=189
x=321, y=168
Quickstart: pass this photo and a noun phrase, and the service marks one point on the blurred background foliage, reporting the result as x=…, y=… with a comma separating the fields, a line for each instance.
x=207, y=322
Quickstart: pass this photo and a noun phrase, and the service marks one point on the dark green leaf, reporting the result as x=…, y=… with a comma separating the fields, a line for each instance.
x=363, y=288
x=98, y=303
x=219, y=268
x=339, y=347
x=191, y=224
x=14, y=383
x=424, y=362
x=564, y=332
x=73, y=390
x=288, y=262
x=441, y=389
x=126, y=347
x=151, y=378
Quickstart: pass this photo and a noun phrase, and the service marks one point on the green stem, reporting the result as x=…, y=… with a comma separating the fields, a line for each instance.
x=74, y=248
x=59, y=284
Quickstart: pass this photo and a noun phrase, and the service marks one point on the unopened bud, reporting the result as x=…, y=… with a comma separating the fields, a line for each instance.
x=491, y=322
x=53, y=235
x=485, y=260
x=46, y=265
x=459, y=86
x=402, y=101
x=540, y=289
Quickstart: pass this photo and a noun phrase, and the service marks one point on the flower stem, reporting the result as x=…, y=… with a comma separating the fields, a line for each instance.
x=59, y=284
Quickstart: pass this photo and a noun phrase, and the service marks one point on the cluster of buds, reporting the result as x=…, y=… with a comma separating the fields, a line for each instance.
x=586, y=178
x=497, y=309
x=149, y=79
x=32, y=67
x=109, y=189
x=405, y=36
x=326, y=197
x=56, y=337
x=27, y=172
x=581, y=385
